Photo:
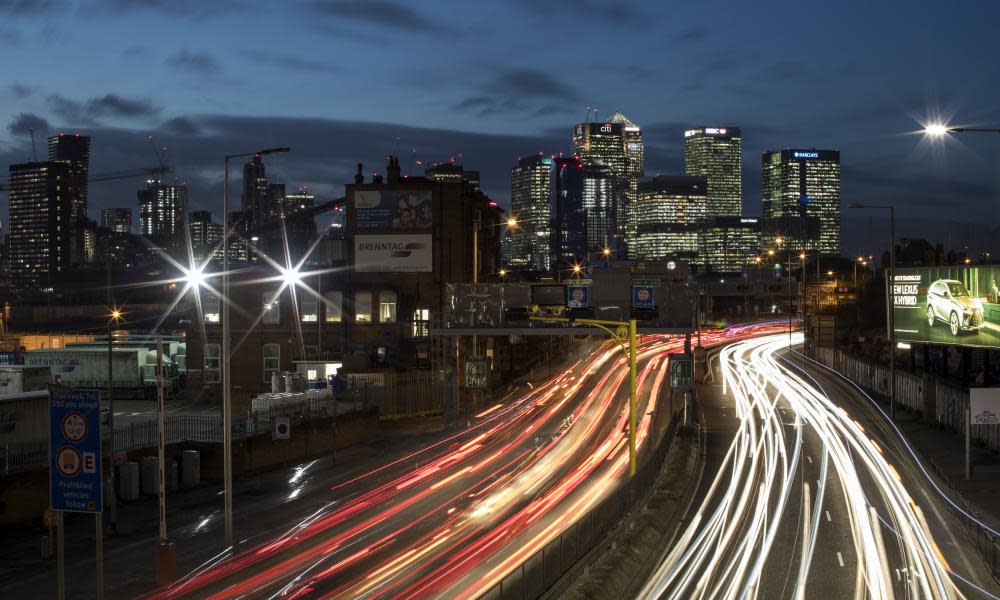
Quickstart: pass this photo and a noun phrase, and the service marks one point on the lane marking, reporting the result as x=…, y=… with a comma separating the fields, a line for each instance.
x=840, y=559
x=828, y=519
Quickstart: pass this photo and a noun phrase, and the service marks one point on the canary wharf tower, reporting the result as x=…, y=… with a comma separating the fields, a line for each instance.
x=716, y=153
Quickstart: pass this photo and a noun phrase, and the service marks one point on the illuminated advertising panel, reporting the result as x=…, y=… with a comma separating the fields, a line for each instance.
x=948, y=305
x=397, y=210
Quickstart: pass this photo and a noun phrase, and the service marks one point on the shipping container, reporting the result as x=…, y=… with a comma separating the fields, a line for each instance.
x=87, y=367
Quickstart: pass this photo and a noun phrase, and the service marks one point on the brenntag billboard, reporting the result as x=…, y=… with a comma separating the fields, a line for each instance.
x=393, y=253
x=948, y=305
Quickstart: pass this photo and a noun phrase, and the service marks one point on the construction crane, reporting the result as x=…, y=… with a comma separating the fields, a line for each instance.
x=114, y=175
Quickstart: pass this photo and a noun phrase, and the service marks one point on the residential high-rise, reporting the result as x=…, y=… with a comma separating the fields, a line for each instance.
x=716, y=153
x=669, y=213
x=74, y=151
x=801, y=199
x=205, y=235
x=162, y=212
x=530, y=188
x=41, y=196
x=728, y=244
x=118, y=220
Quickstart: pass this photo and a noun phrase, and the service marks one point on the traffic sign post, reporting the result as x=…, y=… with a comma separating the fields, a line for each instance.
x=75, y=474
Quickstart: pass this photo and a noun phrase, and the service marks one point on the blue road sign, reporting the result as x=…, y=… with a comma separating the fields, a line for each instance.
x=642, y=296
x=75, y=451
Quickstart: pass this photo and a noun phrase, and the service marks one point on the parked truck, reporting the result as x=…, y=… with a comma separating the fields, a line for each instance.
x=16, y=379
x=133, y=369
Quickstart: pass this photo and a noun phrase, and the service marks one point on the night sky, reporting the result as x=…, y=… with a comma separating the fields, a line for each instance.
x=340, y=81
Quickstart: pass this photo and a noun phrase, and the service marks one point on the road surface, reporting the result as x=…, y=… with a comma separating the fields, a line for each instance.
x=812, y=496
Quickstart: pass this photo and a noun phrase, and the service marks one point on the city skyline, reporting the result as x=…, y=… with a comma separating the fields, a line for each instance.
x=723, y=74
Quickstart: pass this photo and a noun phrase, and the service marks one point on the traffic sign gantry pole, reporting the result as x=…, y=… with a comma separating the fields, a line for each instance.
x=624, y=334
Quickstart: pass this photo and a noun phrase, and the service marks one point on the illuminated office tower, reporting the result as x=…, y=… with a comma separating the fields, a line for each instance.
x=801, y=199
x=449, y=171
x=716, y=153
x=206, y=236
x=598, y=206
x=669, y=212
x=254, y=200
x=728, y=244
x=299, y=201
x=530, y=186
x=74, y=151
x=604, y=144
x=41, y=209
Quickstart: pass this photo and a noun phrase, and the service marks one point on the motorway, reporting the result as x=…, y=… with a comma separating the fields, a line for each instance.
x=456, y=516
x=810, y=494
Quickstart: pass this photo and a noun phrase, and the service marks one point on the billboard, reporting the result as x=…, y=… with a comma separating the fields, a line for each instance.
x=947, y=305
x=396, y=210
x=393, y=253
x=474, y=305
x=578, y=296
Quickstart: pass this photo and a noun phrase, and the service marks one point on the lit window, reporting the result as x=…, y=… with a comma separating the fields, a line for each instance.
x=210, y=306
x=272, y=360
x=272, y=308
x=213, y=355
x=334, y=306
x=387, y=307
x=421, y=322
x=308, y=308
x=363, y=307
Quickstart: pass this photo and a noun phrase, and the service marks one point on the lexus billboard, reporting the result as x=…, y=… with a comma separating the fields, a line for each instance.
x=948, y=305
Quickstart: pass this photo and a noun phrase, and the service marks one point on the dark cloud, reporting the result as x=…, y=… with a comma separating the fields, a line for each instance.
x=517, y=90
x=184, y=9
x=90, y=111
x=20, y=91
x=31, y=7
x=10, y=37
x=378, y=13
x=181, y=126
x=297, y=63
x=200, y=63
x=24, y=122
x=693, y=34
x=113, y=105
x=608, y=13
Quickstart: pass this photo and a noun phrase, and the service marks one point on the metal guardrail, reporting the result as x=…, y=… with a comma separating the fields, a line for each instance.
x=949, y=410
x=541, y=570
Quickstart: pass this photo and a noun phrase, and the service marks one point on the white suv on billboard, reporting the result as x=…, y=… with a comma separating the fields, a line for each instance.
x=949, y=301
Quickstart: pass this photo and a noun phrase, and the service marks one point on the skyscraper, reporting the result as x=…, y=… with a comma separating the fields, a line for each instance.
x=801, y=199
x=162, y=212
x=569, y=216
x=205, y=235
x=530, y=187
x=74, y=151
x=299, y=201
x=598, y=205
x=254, y=196
x=728, y=244
x=118, y=220
x=717, y=154
x=41, y=196
x=635, y=151
x=604, y=144
x=669, y=213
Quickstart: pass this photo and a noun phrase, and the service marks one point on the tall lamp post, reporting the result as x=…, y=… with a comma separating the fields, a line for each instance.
x=227, y=403
x=889, y=298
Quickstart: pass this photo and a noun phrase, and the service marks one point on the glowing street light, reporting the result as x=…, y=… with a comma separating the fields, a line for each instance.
x=512, y=222
x=290, y=276
x=503, y=272
x=935, y=129
x=606, y=251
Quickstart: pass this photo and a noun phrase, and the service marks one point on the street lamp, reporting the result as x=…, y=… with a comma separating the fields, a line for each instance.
x=227, y=401
x=940, y=130
x=889, y=301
